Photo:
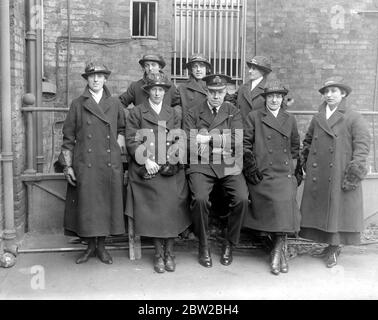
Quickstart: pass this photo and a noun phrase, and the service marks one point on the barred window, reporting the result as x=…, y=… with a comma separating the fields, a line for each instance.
x=215, y=28
x=144, y=19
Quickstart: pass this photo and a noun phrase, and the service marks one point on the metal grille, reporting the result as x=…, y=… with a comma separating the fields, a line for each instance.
x=215, y=28
x=144, y=22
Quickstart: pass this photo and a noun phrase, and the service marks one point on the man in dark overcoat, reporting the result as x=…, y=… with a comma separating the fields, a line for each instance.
x=248, y=96
x=91, y=157
x=335, y=152
x=214, y=130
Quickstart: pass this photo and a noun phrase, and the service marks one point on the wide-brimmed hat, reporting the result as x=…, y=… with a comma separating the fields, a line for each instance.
x=198, y=57
x=260, y=62
x=152, y=57
x=156, y=79
x=336, y=81
x=216, y=81
x=93, y=68
x=274, y=86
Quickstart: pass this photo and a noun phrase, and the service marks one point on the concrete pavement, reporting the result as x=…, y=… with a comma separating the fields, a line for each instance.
x=56, y=276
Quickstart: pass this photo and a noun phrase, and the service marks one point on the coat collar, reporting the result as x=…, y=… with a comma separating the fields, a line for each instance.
x=336, y=117
x=99, y=110
x=251, y=95
x=148, y=113
x=207, y=116
x=279, y=123
x=194, y=85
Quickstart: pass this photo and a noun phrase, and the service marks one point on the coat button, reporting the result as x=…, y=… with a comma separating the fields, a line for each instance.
x=314, y=179
x=314, y=165
x=151, y=144
x=269, y=137
x=89, y=136
x=89, y=122
x=316, y=137
x=329, y=179
x=314, y=152
x=89, y=150
x=107, y=137
x=168, y=143
x=286, y=162
x=271, y=163
x=331, y=164
x=331, y=150
x=289, y=175
x=270, y=151
x=108, y=151
x=109, y=164
x=89, y=165
x=284, y=150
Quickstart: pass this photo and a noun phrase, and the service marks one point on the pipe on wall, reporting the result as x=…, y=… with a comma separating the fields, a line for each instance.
x=9, y=232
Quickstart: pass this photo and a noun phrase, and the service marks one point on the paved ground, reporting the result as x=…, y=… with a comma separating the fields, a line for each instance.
x=56, y=276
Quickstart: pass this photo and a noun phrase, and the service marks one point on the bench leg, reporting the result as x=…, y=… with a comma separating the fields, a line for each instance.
x=135, y=249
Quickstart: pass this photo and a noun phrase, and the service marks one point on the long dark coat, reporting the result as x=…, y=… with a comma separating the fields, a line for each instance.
x=159, y=206
x=192, y=94
x=136, y=95
x=228, y=117
x=275, y=143
x=248, y=100
x=95, y=206
x=331, y=145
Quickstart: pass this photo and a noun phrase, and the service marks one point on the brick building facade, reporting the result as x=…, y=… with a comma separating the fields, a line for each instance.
x=307, y=42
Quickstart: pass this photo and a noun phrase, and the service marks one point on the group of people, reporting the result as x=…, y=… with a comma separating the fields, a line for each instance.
x=183, y=143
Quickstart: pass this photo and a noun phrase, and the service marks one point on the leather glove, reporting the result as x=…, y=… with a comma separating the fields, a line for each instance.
x=298, y=172
x=70, y=175
x=122, y=143
x=255, y=178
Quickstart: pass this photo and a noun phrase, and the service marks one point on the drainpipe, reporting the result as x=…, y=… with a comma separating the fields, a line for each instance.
x=31, y=61
x=38, y=79
x=6, y=158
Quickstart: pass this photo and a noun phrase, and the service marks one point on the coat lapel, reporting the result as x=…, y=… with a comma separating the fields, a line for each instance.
x=338, y=115
x=278, y=123
x=92, y=106
x=205, y=114
x=195, y=86
x=220, y=117
x=148, y=114
x=322, y=120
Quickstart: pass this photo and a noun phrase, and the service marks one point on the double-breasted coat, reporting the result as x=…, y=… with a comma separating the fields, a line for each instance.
x=275, y=143
x=159, y=206
x=248, y=100
x=192, y=94
x=329, y=146
x=228, y=120
x=95, y=206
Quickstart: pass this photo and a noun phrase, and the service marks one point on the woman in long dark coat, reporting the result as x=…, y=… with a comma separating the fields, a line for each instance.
x=91, y=158
x=335, y=151
x=271, y=148
x=157, y=195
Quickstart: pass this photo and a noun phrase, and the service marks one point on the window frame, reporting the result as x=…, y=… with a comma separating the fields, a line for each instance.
x=156, y=3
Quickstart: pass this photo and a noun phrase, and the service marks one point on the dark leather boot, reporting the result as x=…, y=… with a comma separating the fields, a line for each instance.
x=333, y=253
x=275, y=265
x=169, y=257
x=284, y=258
x=226, y=257
x=204, y=257
x=159, y=265
x=89, y=252
x=101, y=252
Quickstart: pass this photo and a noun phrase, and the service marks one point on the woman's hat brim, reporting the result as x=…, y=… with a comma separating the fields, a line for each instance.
x=86, y=74
x=345, y=87
x=147, y=87
x=283, y=92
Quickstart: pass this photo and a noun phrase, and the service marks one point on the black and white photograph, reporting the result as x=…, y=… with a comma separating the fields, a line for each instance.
x=188, y=156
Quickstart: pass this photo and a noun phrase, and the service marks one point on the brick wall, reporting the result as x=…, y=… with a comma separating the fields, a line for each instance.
x=310, y=41
x=17, y=24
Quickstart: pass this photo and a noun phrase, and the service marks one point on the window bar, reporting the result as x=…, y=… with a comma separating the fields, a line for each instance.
x=140, y=18
x=187, y=33
x=220, y=32
x=226, y=38
x=244, y=8
x=174, y=42
x=148, y=19
x=192, y=25
x=204, y=26
x=181, y=10
x=237, y=71
x=232, y=37
x=198, y=27
x=215, y=37
x=209, y=35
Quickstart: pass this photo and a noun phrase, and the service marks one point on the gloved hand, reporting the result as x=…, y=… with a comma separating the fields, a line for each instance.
x=122, y=143
x=201, y=138
x=70, y=175
x=298, y=172
x=152, y=167
x=255, y=178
